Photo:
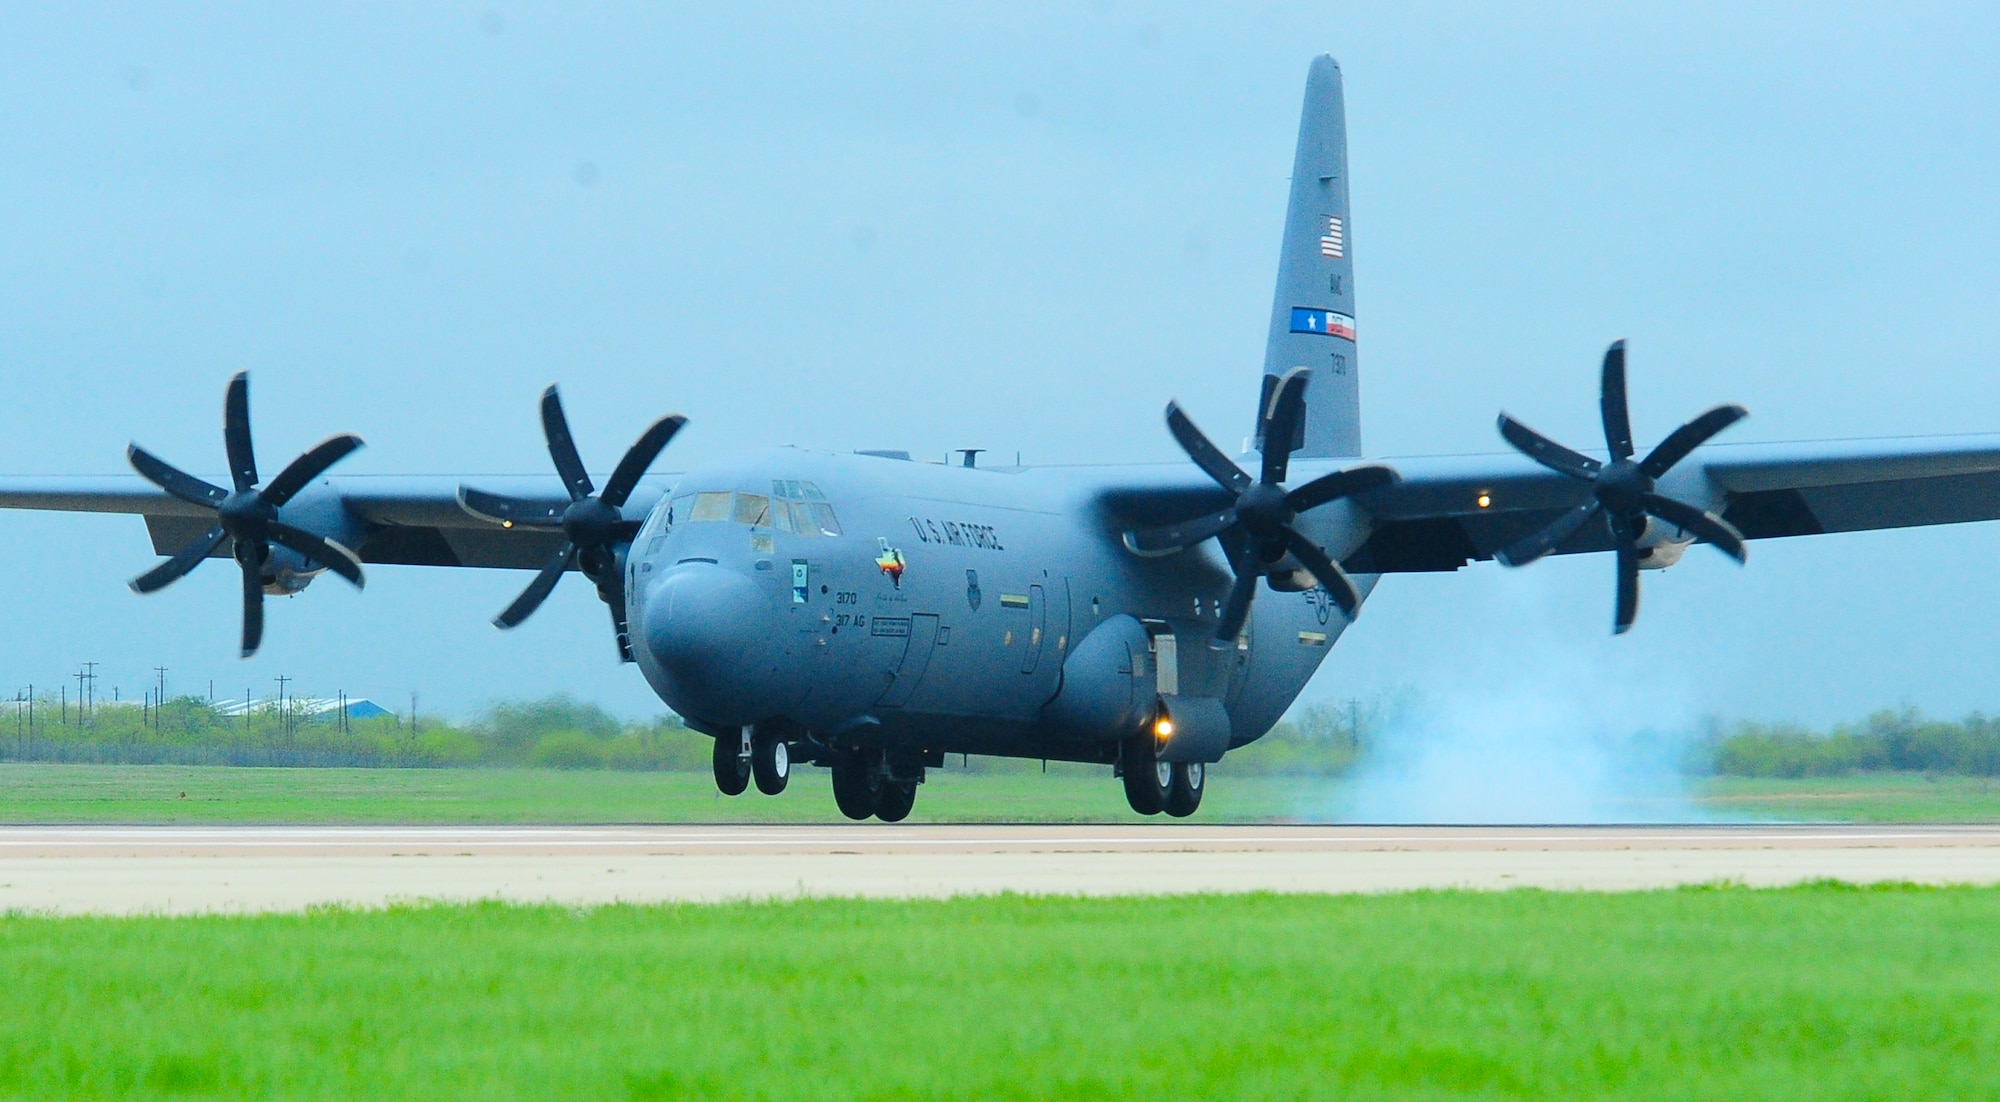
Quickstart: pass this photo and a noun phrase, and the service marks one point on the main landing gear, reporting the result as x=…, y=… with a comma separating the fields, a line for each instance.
x=867, y=782
x=761, y=753
x=1153, y=786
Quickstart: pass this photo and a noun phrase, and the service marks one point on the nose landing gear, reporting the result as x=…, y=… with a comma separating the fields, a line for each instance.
x=761, y=753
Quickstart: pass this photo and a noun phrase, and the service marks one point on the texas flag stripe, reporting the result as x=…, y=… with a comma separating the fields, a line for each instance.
x=1325, y=323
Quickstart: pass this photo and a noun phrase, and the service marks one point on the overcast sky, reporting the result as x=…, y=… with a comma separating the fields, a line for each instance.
x=1020, y=229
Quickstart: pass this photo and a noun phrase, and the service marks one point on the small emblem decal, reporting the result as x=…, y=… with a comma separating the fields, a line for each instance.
x=801, y=580
x=890, y=561
x=1325, y=323
x=973, y=596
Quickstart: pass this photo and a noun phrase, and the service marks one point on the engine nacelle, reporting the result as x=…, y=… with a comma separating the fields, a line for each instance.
x=1661, y=544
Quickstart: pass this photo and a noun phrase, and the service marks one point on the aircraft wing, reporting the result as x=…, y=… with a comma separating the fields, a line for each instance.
x=1433, y=519
x=411, y=520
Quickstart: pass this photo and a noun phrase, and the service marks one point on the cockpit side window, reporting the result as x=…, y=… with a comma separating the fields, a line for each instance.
x=821, y=518
x=799, y=507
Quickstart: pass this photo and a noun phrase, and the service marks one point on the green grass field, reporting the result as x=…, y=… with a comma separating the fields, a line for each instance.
x=36, y=793
x=1821, y=993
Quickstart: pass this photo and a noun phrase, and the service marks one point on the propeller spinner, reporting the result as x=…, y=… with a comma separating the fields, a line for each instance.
x=247, y=517
x=591, y=524
x=1257, y=532
x=1623, y=490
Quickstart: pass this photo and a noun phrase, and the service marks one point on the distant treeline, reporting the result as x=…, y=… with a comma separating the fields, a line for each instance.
x=1901, y=741
x=561, y=732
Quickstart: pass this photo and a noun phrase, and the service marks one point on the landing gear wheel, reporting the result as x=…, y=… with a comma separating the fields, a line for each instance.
x=1185, y=788
x=732, y=773
x=857, y=784
x=895, y=801
x=1146, y=776
x=770, y=764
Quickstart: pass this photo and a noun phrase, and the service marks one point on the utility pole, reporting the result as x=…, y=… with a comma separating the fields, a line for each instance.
x=284, y=719
x=159, y=693
x=1354, y=725
x=90, y=669
x=413, y=713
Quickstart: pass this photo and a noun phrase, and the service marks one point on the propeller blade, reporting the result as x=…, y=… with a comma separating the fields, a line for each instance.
x=1628, y=576
x=1611, y=399
x=1339, y=484
x=1205, y=455
x=509, y=510
x=638, y=457
x=173, y=480
x=1281, y=424
x=562, y=448
x=186, y=559
x=321, y=550
x=303, y=470
x=1702, y=523
x=1324, y=570
x=236, y=432
x=532, y=597
x=1171, y=538
x=1237, y=610
x=1547, y=452
x=253, y=606
x=1688, y=437
x=1527, y=550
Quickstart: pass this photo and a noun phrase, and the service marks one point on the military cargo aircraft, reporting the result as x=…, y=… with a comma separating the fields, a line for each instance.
x=872, y=614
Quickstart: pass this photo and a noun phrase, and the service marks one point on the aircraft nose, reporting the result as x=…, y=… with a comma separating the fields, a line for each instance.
x=709, y=630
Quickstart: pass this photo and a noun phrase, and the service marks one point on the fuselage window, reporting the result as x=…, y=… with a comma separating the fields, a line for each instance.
x=710, y=507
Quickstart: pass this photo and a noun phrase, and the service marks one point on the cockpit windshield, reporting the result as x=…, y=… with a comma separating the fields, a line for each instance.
x=793, y=506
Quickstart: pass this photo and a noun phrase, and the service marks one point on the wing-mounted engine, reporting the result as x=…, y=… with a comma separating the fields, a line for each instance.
x=1648, y=529
x=1258, y=532
x=596, y=534
x=281, y=535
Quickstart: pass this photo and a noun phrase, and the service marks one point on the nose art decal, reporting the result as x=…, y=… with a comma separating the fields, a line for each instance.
x=890, y=561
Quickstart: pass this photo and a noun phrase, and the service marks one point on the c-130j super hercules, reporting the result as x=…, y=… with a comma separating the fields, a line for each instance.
x=872, y=615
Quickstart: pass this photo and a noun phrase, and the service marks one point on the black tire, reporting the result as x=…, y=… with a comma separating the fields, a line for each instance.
x=896, y=799
x=1145, y=787
x=770, y=764
x=1190, y=780
x=732, y=773
x=857, y=785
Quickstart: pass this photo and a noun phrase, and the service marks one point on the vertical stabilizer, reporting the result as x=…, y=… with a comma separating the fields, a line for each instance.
x=1312, y=318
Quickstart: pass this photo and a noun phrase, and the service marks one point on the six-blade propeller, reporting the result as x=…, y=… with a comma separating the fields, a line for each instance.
x=1624, y=490
x=591, y=524
x=247, y=517
x=1256, y=532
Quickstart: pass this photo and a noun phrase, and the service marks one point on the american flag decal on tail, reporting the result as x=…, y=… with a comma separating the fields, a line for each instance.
x=1330, y=239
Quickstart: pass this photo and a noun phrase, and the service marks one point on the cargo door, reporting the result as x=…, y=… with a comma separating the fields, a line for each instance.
x=920, y=639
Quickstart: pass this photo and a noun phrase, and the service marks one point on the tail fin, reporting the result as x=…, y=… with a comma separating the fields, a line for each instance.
x=1312, y=318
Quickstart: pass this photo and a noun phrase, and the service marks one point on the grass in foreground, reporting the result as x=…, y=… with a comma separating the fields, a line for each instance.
x=1821, y=992
x=36, y=793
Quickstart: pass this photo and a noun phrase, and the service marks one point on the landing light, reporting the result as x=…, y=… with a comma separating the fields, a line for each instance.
x=506, y=524
x=1163, y=729
x=1484, y=501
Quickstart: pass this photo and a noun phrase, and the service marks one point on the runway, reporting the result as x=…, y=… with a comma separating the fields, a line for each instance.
x=125, y=870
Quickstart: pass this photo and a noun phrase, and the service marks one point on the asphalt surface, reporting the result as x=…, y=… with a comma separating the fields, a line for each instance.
x=137, y=869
